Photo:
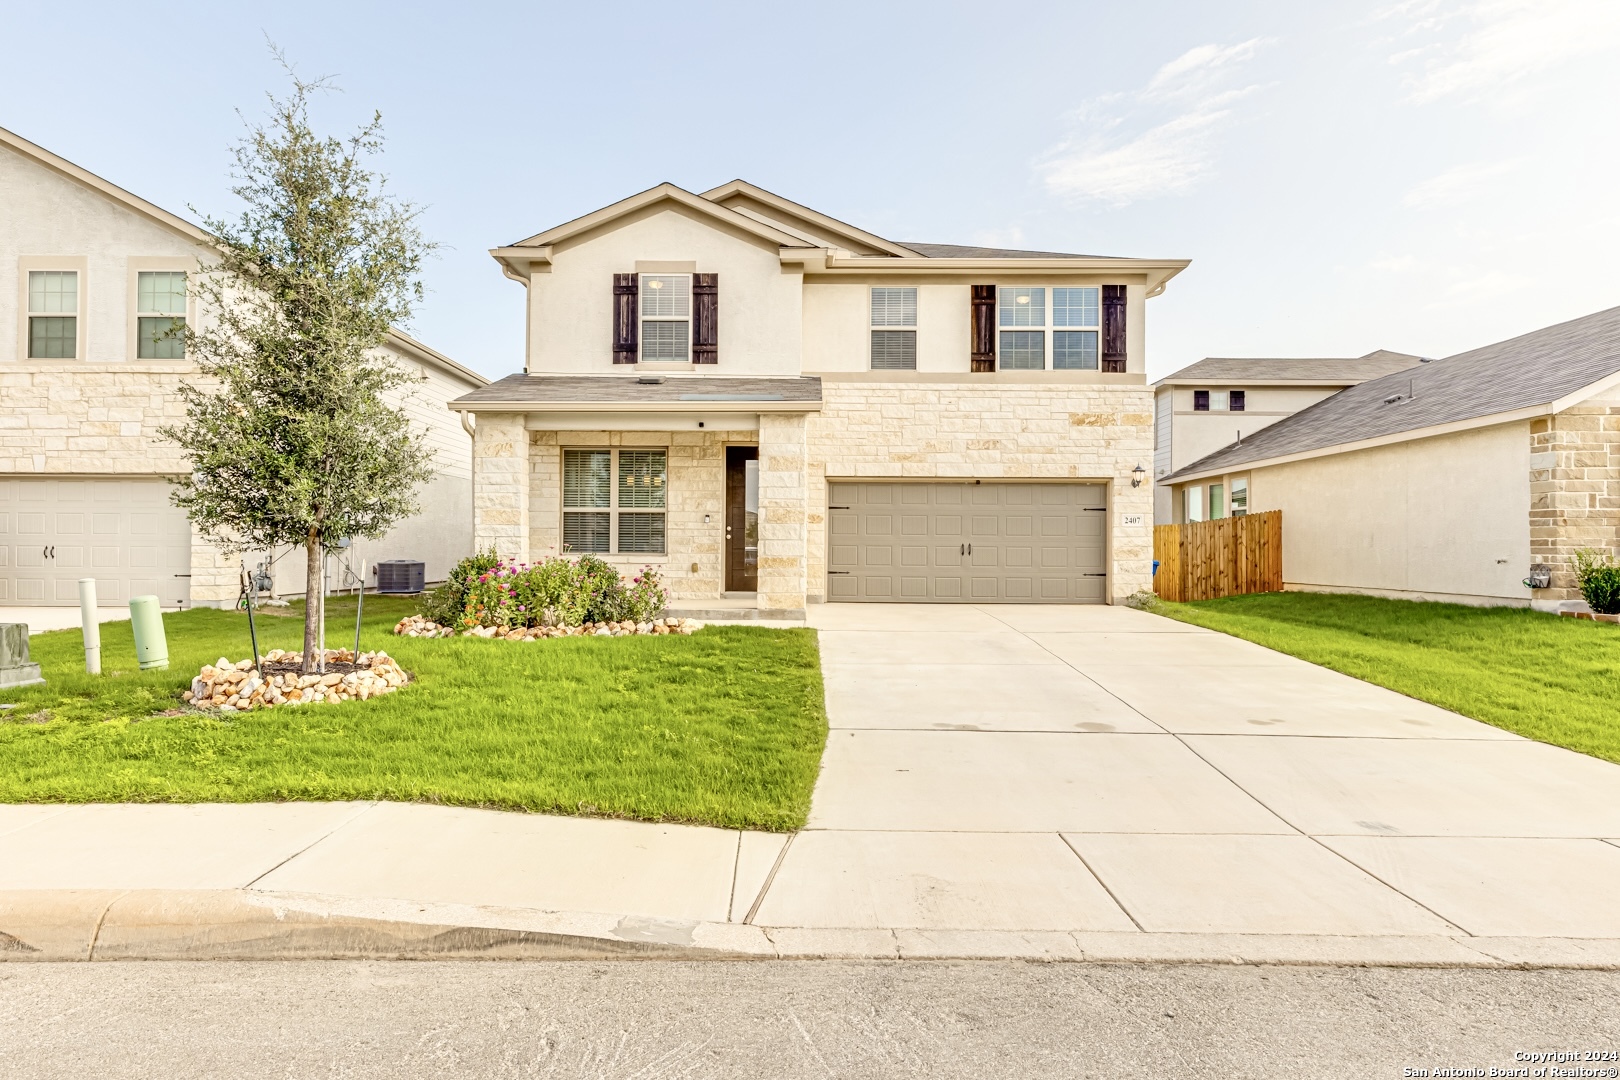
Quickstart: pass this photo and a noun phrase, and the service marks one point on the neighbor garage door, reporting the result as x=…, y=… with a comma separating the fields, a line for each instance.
x=123, y=533
x=953, y=543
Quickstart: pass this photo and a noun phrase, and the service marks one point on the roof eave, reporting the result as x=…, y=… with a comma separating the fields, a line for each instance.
x=707, y=406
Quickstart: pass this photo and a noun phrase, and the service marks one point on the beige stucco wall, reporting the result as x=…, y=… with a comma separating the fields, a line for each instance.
x=837, y=319
x=571, y=305
x=1196, y=434
x=1443, y=518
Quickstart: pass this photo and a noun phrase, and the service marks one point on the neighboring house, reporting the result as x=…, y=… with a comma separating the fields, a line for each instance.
x=1454, y=480
x=90, y=276
x=776, y=408
x=1220, y=400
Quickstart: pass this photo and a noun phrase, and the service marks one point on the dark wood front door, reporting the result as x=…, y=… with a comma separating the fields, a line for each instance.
x=742, y=518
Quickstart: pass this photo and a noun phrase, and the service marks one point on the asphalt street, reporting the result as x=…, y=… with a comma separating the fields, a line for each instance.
x=647, y=1019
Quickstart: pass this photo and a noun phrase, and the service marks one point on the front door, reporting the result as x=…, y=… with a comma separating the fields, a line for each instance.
x=742, y=518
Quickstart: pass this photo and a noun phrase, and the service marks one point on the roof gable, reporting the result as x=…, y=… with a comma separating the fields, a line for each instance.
x=637, y=204
x=741, y=195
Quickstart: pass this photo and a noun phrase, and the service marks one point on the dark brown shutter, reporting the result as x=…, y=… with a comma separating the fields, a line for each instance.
x=983, y=339
x=705, y=318
x=1113, y=328
x=625, y=325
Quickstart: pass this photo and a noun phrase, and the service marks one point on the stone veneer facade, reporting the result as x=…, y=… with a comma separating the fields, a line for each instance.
x=86, y=419
x=899, y=429
x=1574, y=490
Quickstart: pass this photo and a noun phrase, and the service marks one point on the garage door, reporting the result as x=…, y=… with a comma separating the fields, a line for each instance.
x=950, y=543
x=123, y=533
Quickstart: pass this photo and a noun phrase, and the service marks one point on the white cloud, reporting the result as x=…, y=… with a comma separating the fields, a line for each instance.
x=1159, y=140
x=1465, y=183
x=1505, y=43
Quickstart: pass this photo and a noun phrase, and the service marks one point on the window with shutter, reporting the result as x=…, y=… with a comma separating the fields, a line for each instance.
x=705, y=318
x=666, y=317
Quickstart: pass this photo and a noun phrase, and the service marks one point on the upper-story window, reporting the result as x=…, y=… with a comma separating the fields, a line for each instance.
x=894, y=349
x=1200, y=401
x=160, y=315
x=1218, y=400
x=53, y=314
x=666, y=317
x=1236, y=399
x=1068, y=341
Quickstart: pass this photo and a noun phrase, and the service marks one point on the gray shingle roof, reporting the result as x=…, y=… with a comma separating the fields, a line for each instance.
x=540, y=390
x=957, y=251
x=1234, y=369
x=1534, y=369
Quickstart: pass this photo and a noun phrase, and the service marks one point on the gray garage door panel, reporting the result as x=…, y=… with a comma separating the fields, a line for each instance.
x=949, y=543
x=124, y=533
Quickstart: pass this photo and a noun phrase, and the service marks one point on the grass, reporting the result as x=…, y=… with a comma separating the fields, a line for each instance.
x=1547, y=678
x=724, y=727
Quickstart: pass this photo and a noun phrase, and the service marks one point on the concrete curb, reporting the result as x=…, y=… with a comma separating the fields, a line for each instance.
x=234, y=924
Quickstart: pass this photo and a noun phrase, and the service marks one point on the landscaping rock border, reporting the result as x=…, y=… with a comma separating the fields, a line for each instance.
x=418, y=626
x=241, y=687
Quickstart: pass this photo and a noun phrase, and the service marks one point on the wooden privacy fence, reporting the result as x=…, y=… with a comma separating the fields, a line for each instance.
x=1202, y=560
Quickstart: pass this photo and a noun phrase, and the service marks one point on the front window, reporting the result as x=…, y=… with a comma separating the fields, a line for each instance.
x=614, y=501
x=53, y=314
x=160, y=315
x=666, y=317
x=1022, y=350
x=893, y=349
x=1067, y=341
x=1240, y=497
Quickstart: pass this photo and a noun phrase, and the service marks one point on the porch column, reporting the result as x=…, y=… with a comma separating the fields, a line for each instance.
x=783, y=532
x=501, y=485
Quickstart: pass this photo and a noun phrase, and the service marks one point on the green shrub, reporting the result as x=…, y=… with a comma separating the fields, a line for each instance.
x=487, y=591
x=445, y=603
x=1599, y=579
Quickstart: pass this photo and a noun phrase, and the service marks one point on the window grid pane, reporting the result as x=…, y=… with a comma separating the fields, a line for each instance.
x=666, y=295
x=894, y=307
x=161, y=292
x=587, y=480
x=52, y=338
x=52, y=291
x=894, y=350
x=1023, y=350
x=641, y=478
x=1074, y=350
x=160, y=338
x=1076, y=307
x=1022, y=307
x=586, y=532
x=641, y=533
x=664, y=340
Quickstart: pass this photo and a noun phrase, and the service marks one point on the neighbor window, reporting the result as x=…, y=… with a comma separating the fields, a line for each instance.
x=160, y=315
x=1240, y=497
x=666, y=317
x=1200, y=401
x=1236, y=400
x=614, y=501
x=1217, y=505
x=1194, y=509
x=1217, y=401
x=53, y=314
x=894, y=350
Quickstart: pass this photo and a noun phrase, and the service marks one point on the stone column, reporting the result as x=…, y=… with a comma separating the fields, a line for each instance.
x=783, y=532
x=501, y=485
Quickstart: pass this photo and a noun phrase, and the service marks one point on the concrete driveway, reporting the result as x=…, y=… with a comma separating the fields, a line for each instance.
x=1103, y=769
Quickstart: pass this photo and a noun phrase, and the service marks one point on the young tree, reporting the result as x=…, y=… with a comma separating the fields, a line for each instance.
x=290, y=438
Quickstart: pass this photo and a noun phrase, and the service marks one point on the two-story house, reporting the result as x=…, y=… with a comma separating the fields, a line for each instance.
x=92, y=278
x=776, y=408
x=1222, y=400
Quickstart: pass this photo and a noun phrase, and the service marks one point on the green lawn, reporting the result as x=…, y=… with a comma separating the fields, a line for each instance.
x=1545, y=677
x=725, y=727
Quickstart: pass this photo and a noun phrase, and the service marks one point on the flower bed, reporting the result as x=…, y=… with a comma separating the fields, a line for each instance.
x=240, y=687
x=419, y=626
x=487, y=592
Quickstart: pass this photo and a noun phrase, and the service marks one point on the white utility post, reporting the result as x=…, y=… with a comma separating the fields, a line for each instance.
x=92, y=625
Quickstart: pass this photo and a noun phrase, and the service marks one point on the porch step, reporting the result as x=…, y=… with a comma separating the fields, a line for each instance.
x=720, y=610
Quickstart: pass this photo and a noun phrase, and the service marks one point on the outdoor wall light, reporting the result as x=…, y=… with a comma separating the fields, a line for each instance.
x=1136, y=476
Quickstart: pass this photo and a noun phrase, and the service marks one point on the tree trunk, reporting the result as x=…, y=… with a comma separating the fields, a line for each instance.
x=312, y=597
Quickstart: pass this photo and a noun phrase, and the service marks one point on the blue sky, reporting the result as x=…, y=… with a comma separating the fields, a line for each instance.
x=1424, y=176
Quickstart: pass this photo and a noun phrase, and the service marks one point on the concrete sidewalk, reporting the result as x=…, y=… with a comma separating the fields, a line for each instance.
x=1057, y=783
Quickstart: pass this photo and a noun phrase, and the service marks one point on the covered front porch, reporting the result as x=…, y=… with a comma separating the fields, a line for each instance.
x=707, y=488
